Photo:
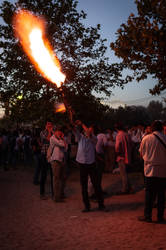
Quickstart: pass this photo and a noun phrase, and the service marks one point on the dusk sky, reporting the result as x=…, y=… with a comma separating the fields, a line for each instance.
x=111, y=14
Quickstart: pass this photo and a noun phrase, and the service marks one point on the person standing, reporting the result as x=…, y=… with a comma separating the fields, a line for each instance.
x=100, y=154
x=57, y=160
x=36, y=149
x=123, y=149
x=86, y=160
x=45, y=165
x=153, y=152
x=27, y=149
x=4, y=149
x=109, y=152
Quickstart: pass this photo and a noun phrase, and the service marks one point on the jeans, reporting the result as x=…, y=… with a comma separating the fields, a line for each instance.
x=27, y=156
x=45, y=166
x=38, y=163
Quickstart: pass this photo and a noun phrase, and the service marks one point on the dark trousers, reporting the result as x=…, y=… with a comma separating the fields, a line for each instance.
x=38, y=163
x=4, y=157
x=100, y=164
x=45, y=167
x=154, y=188
x=85, y=171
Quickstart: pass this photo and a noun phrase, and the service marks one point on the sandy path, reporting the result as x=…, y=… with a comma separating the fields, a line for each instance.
x=26, y=222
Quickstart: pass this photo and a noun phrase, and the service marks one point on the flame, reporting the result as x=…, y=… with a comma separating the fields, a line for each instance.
x=30, y=30
x=60, y=108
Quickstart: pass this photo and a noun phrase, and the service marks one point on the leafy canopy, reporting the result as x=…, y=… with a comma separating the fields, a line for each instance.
x=81, y=51
x=141, y=42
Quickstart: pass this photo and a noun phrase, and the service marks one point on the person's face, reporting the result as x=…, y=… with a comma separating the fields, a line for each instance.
x=148, y=130
x=49, y=126
x=58, y=134
x=91, y=130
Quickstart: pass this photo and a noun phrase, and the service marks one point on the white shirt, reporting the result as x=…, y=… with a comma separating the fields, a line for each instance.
x=154, y=155
x=101, y=143
x=58, y=146
x=110, y=142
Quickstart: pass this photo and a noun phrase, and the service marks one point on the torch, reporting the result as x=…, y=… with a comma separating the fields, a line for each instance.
x=30, y=30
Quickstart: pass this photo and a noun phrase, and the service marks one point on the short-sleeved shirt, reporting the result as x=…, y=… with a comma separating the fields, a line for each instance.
x=154, y=155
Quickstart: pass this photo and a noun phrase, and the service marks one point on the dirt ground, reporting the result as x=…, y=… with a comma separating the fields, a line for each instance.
x=28, y=223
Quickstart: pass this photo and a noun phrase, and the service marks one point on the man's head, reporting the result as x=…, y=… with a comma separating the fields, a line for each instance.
x=49, y=126
x=89, y=131
x=59, y=134
x=57, y=130
x=157, y=126
x=164, y=127
x=148, y=129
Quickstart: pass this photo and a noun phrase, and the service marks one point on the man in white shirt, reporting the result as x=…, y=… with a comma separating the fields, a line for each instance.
x=153, y=152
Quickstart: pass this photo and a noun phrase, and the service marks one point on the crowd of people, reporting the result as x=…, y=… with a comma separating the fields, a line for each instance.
x=15, y=148
x=98, y=150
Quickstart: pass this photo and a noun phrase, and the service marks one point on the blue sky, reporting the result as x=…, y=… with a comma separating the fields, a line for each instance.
x=111, y=14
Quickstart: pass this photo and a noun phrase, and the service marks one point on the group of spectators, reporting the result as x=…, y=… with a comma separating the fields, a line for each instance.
x=15, y=148
x=97, y=151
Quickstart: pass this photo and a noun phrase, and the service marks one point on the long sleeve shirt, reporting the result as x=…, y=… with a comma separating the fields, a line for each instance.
x=123, y=147
x=101, y=143
x=86, y=148
x=58, y=146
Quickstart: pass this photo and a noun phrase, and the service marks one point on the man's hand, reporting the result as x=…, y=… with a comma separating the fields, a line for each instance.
x=78, y=122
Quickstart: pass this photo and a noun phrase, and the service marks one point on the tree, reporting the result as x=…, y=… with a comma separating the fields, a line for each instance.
x=141, y=42
x=80, y=49
x=155, y=110
x=132, y=115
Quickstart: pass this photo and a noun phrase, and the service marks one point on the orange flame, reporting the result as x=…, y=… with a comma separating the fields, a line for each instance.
x=30, y=30
x=60, y=108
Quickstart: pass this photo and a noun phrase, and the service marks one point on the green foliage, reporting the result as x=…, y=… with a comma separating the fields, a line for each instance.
x=156, y=110
x=132, y=115
x=141, y=42
x=81, y=52
x=6, y=123
x=93, y=112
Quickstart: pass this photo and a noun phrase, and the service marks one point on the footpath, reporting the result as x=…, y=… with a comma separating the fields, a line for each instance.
x=28, y=223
